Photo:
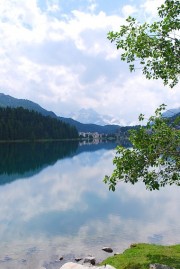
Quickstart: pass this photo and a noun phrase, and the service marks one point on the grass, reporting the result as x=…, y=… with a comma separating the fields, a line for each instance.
x=140, y=256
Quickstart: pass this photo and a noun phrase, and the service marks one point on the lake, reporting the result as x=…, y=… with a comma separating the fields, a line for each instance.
x=53, y=203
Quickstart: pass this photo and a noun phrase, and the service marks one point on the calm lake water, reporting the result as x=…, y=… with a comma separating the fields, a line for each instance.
x=53, y=203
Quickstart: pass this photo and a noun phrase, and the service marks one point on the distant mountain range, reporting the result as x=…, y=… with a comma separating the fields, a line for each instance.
x=89, y=115
x=7, y=100
x=171, y=112
x=86, y=115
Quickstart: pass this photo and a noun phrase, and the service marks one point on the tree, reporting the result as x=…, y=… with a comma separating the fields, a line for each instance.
x=155, y=154
x=22, y=124
x=156, y=45
x=155, y=157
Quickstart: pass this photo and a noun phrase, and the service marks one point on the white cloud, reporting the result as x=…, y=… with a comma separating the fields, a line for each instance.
x=53, y=6
x=66, y=62
x=128, y=10
x=92, y=5
x=150, y=8
x=79, y=23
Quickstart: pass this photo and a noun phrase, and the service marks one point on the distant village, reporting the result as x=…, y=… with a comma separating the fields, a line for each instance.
x=95, y=138
x=96, y=135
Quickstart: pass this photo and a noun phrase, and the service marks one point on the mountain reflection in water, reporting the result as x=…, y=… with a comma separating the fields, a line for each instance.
x=22, y=160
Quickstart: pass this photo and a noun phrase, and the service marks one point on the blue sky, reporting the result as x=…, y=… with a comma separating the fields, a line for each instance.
x=56, y=53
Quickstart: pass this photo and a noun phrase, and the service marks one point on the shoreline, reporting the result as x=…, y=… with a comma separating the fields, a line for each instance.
x=137, y=256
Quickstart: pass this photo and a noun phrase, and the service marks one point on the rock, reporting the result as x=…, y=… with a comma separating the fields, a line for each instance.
x=107, y=249
x=159, y=266
x=117, y=253
x=133, y=245
x=71, y=265
x=107, y=266
x=90, y=259
x=78, y=259
x=61, y=258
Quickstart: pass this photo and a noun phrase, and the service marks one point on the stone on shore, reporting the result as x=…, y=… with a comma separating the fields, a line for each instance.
x=90, y=259
x=160, y=266
x=78, y=259
x=117, y=253
x=107, y=249
x=72, y=265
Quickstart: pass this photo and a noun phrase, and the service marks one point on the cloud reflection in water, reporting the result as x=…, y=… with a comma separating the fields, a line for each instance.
x=66, y=209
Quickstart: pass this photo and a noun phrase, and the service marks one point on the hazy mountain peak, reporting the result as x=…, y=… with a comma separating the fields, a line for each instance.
x=89, y=115
x=171, y=112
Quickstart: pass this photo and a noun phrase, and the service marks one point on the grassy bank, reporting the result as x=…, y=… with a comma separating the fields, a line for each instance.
x=140, y=256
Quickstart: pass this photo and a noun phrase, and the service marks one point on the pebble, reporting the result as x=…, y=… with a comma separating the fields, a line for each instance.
x=107, y=249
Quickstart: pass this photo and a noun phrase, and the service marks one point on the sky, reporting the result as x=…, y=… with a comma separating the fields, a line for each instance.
x=56, y=53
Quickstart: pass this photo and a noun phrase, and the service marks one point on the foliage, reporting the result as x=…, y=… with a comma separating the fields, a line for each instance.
x=156, y=45
x=155, y=157
x=22, y=124
x=140, y=256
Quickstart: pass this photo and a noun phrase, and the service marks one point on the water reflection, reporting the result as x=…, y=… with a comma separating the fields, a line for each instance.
x=66, y=210
x=22, y=160
x=27, y=159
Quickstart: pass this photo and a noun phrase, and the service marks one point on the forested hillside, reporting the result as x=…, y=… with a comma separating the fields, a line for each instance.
x=9, y=101
x=22, y=124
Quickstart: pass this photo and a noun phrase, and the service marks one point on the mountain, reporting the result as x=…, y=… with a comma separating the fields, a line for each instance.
x=171, y=112
x=92, y=128
x=175, y=120
x=7, y=100
x=91, y=116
